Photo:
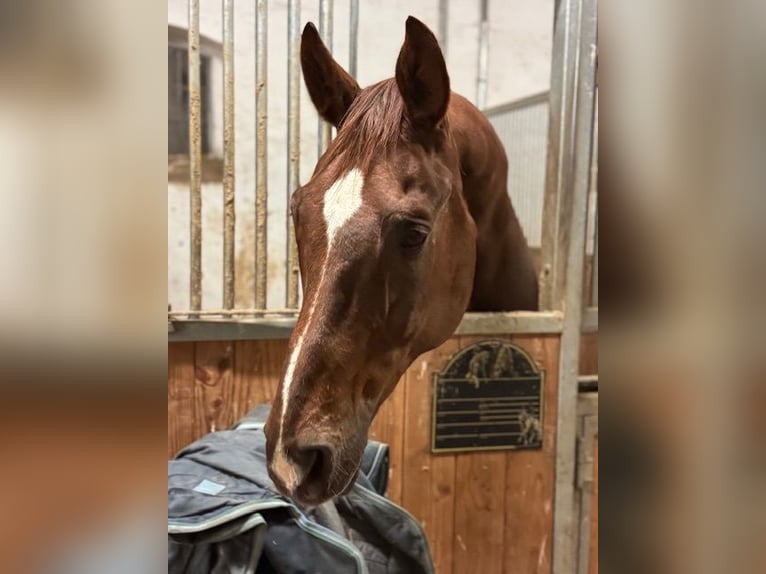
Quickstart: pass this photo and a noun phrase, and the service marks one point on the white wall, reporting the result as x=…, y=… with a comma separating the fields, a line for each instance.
x=519, y=65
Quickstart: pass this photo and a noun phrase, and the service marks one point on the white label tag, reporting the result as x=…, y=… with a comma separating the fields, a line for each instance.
x=209, y=487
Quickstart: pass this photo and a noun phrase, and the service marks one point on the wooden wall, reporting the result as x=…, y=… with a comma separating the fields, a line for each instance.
x=593, y=554
x=589, y=354
x=487, y=512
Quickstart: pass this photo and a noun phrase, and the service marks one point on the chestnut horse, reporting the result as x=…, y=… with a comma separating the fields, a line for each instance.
x=404, y=224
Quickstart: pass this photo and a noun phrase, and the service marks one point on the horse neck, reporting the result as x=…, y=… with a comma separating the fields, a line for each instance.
x=505, y=277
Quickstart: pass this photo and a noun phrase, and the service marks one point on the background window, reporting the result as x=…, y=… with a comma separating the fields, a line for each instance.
x=178, y=100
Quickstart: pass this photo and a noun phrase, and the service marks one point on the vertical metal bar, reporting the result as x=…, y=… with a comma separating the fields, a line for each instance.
x=594, y=269
x=483, y=69
x=594, y=210
x=556, y=203
x=228, y=154
x=353, y=37
x=587, y=431
x=293, y=141
x=261, y=156
x=443, y=25
x=195, y=160
x=579, y=149
x=325, y=31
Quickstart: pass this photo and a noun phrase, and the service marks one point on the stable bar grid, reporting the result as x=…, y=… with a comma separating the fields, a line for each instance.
x=569, y=213
x=556, y=213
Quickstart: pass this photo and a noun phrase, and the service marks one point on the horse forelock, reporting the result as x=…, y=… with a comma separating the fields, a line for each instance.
x=373, y=126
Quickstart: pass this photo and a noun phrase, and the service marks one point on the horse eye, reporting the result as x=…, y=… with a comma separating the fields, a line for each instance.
x=414, y=237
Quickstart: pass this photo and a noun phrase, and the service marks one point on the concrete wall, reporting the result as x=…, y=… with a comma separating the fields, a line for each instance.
x=519, y=65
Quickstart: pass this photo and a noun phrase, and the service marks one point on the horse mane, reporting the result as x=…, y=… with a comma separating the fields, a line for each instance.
x=373, y=124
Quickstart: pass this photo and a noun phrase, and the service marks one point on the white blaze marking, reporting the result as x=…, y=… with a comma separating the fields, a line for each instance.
x=341, y=201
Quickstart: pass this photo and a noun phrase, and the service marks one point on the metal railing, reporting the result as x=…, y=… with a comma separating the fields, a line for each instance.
x=546, y=225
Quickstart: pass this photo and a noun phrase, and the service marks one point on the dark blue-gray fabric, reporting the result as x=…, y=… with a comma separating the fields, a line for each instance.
x=236, y=522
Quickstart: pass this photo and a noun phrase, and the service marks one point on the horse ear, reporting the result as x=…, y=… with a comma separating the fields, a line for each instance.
x=331, y=88
x=421, y=75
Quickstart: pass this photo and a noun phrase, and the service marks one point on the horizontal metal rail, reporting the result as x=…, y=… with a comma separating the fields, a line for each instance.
x=228, y=313
x=525, y=102
x=279, y=324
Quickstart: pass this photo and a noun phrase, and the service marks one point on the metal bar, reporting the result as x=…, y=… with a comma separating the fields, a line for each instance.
x=556, y=203
x=590, y=320
x=225, y=324
x=261, y=155
x=293, y=141
x=228, y=313
x=227, y=330
x=587, y=384
x=483, y=68
x=525, y=102
x=353, y=37
x=594, y=269
x=594, y=198
x=471, y=324
x=516, y=322
x=325, y=31
x=443, y=25
x=579, y=149
x=228, y=153
x=587, y=431
x=195, y=160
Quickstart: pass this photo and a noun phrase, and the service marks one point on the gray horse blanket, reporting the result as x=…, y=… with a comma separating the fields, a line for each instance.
x=225, y=515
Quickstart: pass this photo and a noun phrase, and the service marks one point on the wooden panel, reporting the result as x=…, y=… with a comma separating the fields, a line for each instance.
x=388, y=427
x=593, y=558
x=479, y=512
x=180, y=393
x=257, y=369
x=588, y=354
x=529, y=477
x=507, y=497
x=429, y=480
x=479, y=504
x=482, y=512
x=213, y=387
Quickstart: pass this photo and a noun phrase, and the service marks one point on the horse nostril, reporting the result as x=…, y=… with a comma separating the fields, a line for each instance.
x=314, y=460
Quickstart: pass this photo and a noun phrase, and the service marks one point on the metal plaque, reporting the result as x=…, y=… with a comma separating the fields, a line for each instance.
x=489, y=397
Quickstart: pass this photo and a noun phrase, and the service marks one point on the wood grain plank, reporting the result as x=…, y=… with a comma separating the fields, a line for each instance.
x=388, y=427
x=213, y=387
x=429, y=480
x=593, y=555
x=257, y=370
x=529, y=476
x=589, y=354
x=180, y=396
x=479, y=504
x=479, y=512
